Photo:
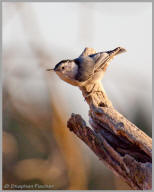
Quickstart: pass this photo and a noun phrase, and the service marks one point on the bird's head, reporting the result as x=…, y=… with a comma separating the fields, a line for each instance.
x=66, y=70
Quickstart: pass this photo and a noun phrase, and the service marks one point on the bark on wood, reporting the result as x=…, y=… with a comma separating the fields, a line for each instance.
x=124, y=148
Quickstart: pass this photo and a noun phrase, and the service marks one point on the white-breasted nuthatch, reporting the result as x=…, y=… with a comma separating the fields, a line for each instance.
x=85, y=69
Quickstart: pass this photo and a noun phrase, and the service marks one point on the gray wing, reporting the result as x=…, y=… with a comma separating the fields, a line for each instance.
x=89, y=65
x=86, y=67
x=100, y=60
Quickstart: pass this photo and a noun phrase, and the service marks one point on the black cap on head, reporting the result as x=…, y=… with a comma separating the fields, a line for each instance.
x=58, y=64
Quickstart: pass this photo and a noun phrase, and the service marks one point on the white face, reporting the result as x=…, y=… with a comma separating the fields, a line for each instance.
x=67, y=71
x=68, y=68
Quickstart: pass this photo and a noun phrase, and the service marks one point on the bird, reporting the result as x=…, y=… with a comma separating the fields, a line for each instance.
x=85, y=69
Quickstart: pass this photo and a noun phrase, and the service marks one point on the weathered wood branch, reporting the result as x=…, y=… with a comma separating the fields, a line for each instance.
x=123, y=147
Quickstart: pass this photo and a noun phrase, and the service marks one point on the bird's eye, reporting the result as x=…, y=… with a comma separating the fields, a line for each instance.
x=63, y=68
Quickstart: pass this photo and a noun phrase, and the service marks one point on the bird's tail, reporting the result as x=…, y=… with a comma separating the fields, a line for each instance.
x=102, y=62
x=116, y=51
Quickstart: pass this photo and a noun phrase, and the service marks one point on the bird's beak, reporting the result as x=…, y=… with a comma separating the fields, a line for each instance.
x=50, y=69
